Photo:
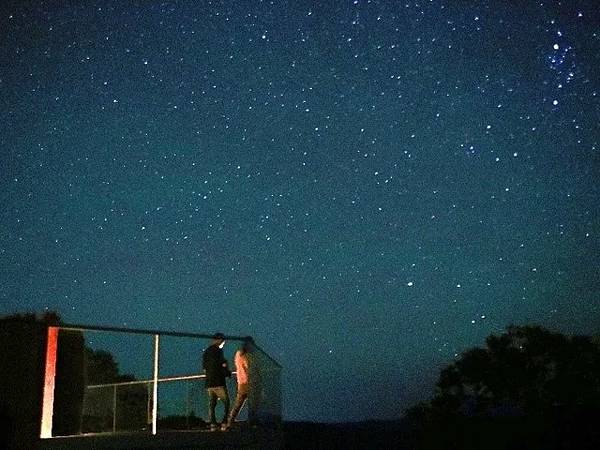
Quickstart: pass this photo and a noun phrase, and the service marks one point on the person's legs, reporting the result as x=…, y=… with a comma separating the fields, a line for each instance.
x=240, y=399
x=212, y=404
x=222, y=394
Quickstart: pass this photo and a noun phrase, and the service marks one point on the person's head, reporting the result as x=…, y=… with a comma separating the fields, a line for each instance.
x=246, y=344
x=219, y=339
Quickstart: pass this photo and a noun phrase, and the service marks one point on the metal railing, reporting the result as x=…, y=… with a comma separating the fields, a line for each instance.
x=149, y=383
x=66, y=370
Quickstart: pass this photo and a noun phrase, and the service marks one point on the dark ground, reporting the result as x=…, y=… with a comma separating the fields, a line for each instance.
x=296, y=435
x=363, y=435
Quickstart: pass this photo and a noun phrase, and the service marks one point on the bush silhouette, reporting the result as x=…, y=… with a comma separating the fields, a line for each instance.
x=528, y=388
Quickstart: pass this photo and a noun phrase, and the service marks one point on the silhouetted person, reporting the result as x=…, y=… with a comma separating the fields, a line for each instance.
x=242, y=374
x=216, y=371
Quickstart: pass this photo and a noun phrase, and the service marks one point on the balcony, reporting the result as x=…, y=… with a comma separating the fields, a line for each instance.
x=105, y=387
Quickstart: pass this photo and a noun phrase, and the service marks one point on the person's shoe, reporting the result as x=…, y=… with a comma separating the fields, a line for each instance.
x=225, y=427
x=213, y=427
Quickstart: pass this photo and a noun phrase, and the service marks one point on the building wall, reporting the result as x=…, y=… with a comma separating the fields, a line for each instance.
x=21, y=382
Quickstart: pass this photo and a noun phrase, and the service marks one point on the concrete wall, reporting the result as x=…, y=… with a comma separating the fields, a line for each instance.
x=22, y=357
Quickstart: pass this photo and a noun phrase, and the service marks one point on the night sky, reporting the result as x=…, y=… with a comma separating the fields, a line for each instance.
x=369, y=188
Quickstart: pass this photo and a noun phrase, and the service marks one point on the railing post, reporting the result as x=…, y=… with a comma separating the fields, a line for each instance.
x=115, y=408
x=155, y=385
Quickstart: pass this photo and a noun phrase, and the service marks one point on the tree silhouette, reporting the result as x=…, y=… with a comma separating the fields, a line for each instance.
x=131, y=401
x=528, y=388
x=101, y=367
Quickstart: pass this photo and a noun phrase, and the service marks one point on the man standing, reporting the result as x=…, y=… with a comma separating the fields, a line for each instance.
x=216, y=371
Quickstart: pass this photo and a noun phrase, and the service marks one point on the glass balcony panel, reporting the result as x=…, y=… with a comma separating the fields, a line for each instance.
x=105, y=383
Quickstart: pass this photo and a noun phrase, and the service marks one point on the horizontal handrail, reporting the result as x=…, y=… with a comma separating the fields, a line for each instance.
x=80, y=327
x=165, y=379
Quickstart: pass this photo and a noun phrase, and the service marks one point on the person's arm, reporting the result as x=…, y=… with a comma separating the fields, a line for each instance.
x=223, y=360
x=225, y=365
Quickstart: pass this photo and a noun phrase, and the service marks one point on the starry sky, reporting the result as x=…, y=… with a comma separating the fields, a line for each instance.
x=369, y=188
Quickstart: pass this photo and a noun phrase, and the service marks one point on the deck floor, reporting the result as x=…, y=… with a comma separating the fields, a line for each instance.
x=239, y=437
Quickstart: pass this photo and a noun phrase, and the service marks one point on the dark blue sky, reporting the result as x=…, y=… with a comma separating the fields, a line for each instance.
x=367, y=187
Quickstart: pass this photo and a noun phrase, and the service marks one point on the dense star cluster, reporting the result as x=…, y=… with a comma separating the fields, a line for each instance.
x=366, y=187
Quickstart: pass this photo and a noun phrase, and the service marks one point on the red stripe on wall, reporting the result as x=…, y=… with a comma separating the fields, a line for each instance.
x=49, y=379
